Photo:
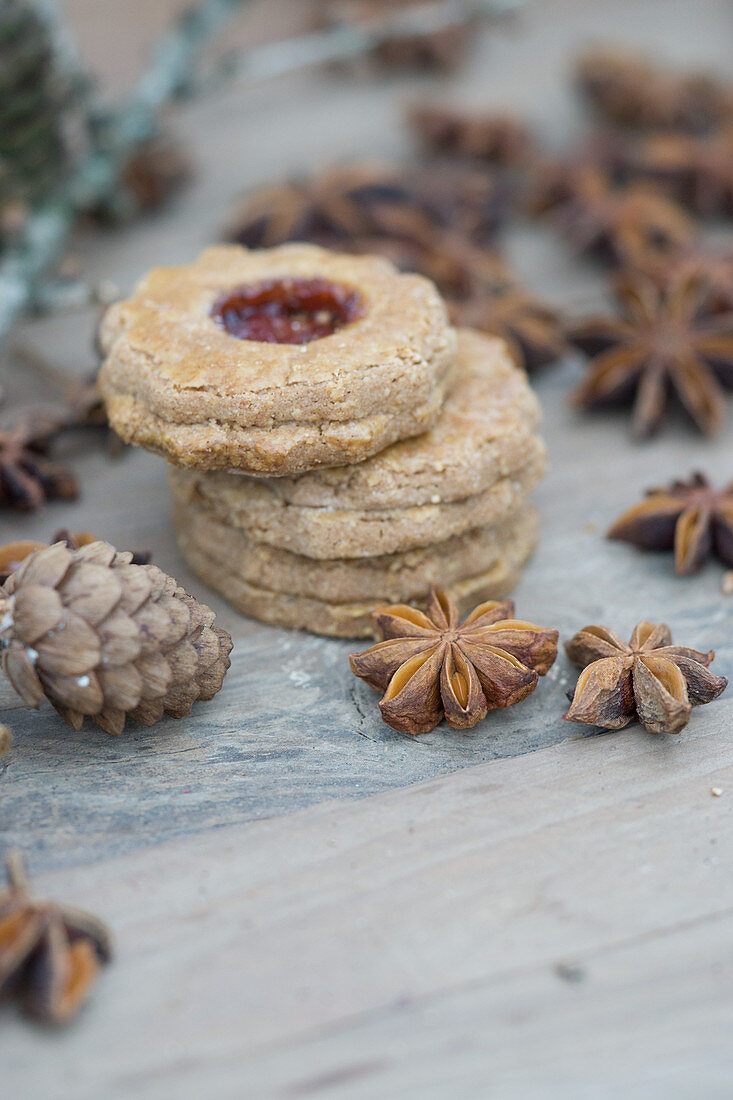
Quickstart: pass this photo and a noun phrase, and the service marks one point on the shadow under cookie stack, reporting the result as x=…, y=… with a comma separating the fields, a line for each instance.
x=334, y=443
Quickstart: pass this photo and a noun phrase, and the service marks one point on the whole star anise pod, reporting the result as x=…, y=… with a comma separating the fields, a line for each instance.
x=531, y=328
x=649, y=680
x=28, y=477
x=496, y=138
x=50, y=955
x=664, y=341
x=696, y=171
x=617, y=225
x=432, y=666
x=690, y=517
x=629, y=89
x=345, y=206
x=713, y=268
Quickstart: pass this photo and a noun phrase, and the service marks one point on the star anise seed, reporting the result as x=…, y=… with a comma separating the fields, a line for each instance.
x=663, y=341
x=649, y=680
x=50, y=955
x=431, y=666
x=690, y=517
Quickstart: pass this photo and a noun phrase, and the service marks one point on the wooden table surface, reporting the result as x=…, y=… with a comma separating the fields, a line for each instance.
x=307, y=903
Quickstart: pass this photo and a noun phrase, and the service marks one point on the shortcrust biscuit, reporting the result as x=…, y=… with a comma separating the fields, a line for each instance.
x=389, y=578
x=351, y=619
x=473, y=469
x=177, y=381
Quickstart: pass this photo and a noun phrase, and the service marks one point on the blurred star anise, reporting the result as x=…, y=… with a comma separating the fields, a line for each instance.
x=630, y=90
x=690, y=517
x=664, y=341
x=345, y=207
x=28, y=477
x=695, y=170
x=649, y=680
x=713, y=268
x=495, y=138
x=531, y=328
x=50, y=955
x=616, y=225
x=431, y=666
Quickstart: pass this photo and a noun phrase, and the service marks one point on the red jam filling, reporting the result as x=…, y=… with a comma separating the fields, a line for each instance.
x=287, y=311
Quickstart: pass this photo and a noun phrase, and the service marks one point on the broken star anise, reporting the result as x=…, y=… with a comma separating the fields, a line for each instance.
x=28, y=477
x=690, y=517
x=431, y=666
x=50, y=955
x=649, y=680
x=665, y=340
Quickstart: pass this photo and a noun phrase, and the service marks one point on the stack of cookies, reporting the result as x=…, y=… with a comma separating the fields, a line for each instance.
x=334, y=443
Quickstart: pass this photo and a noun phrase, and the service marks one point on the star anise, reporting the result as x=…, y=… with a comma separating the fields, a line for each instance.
x=696, y=171
x=431, y=666
x=663, y=341
x=495, y=138
x=531, y=328
x=713, y=268
x=28, y=477
x=156, y=170
x=617, y=225
x=649, y=680
x=629, y=89
x=346, y=206
x=50, y=955
x=690, y=517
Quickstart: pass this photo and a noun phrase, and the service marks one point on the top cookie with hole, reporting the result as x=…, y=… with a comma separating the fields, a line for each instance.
x=275, y=361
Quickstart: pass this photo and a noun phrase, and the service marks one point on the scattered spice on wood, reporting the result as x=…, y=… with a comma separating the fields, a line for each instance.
x=663, y=341
x=690, y=517
x=629, y=89
x=432, y=666
x=50, y=954
x=650, y=680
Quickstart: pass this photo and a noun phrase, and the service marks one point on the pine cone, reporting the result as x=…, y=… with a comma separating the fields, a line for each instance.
x=99, y=636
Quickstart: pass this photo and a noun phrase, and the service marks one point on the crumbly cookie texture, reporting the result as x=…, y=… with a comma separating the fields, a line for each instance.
x=327, y=533
x=473, y=469
x=353, y=619
x=482, y=434
x=390, y=578
x=176, y=382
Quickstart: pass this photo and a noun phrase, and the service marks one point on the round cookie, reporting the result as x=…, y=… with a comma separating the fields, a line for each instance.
x=391, y=578
x=176, y=379
x=351, y=619
x=473, y=469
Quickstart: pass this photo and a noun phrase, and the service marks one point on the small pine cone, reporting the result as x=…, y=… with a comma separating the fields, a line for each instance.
x=99, y=636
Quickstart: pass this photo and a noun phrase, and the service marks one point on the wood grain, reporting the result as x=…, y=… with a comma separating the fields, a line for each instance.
x=419, y=932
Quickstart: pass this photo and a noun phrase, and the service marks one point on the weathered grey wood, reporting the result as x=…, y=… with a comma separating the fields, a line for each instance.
x=410, y=936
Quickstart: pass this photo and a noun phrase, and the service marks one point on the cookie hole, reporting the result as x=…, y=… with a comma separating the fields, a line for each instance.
x=287, y=311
